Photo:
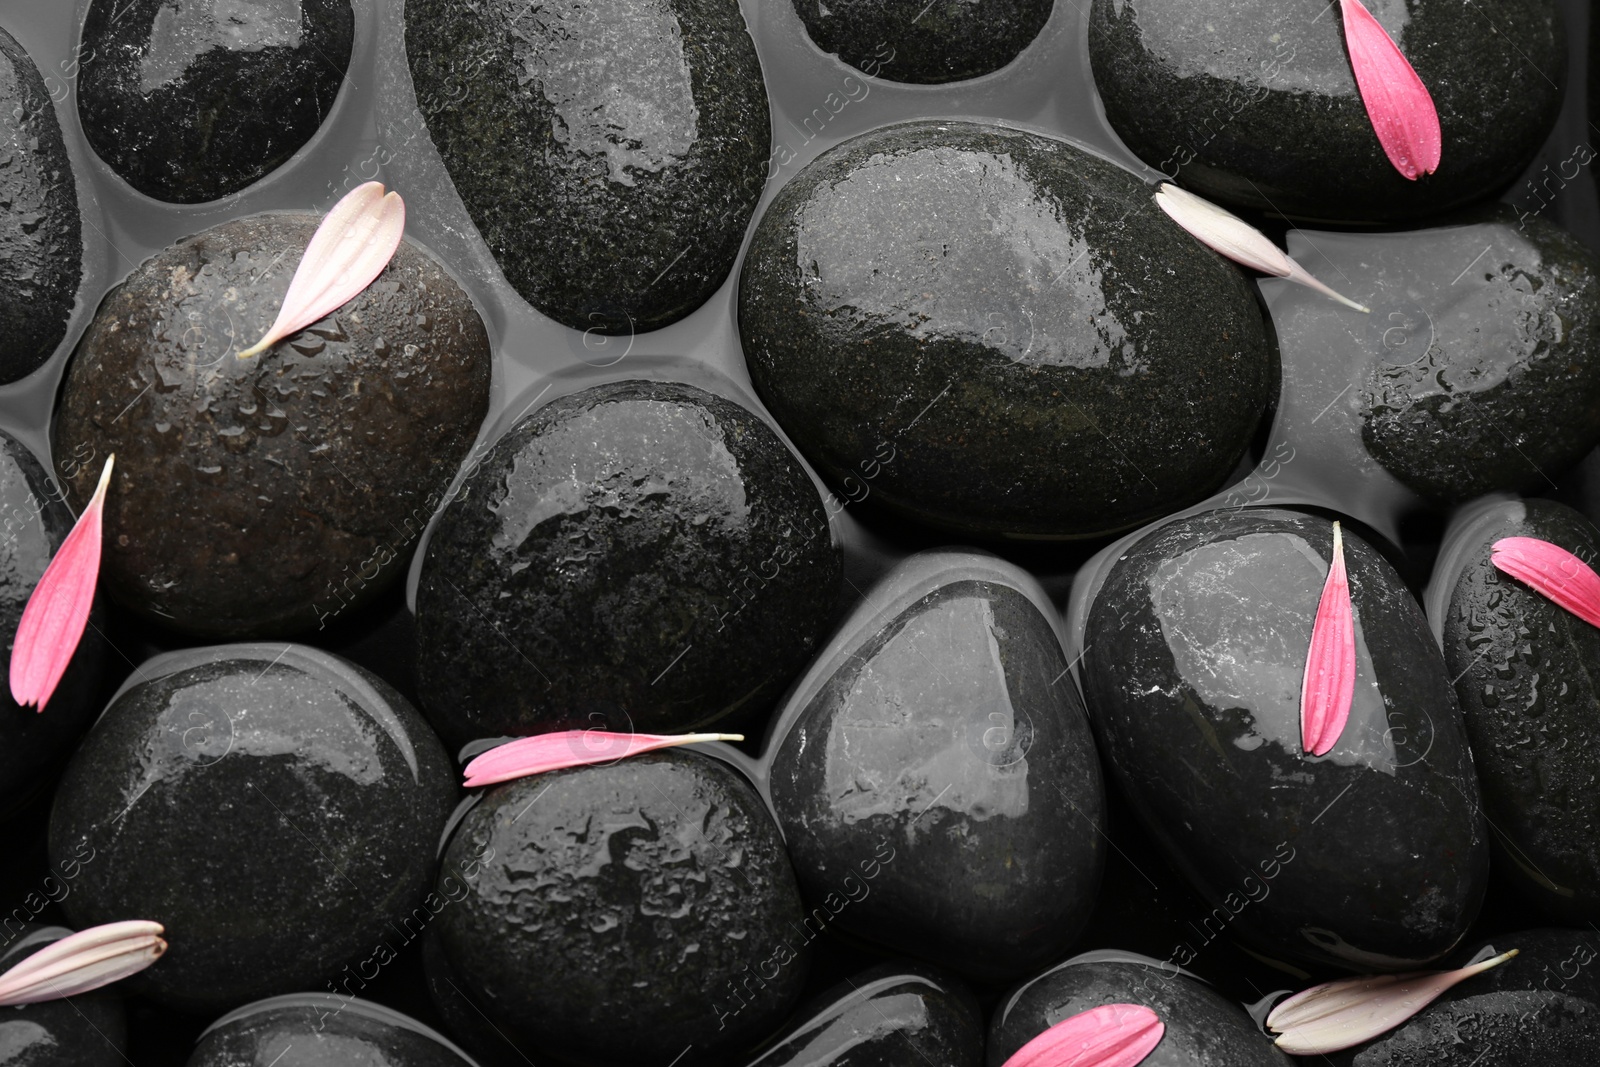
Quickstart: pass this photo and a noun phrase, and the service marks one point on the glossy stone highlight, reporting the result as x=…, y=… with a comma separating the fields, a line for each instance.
x=918, y=41
x=90, y=1030
x=319, y=1030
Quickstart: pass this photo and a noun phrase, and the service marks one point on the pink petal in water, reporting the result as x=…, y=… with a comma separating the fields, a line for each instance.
x=570, y=748
x=1398, y=104
x=83, y=961
x=1330, y=679
x=1553, y=572
x=1112, y=1035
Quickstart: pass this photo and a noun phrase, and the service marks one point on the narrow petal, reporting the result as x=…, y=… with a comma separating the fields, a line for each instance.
x=1338, y=1015
x=347, y=253
x=83, y=961
x=1553, y=572
x=1398, y=104
x=570, y=748
x=58, y=609
x=1330, y=679
x=1112, y=1035
x=1228, y=235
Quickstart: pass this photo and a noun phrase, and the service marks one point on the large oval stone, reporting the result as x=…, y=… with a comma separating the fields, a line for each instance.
x=1373, y=856
x=918, y=41
x=322, y=1030
x=935, y=776
x=41, y=238
x=639, y=554
x=192, y=101
x=610, y=154
x=1254, y=103
x=268, y=495
x=1040, y=349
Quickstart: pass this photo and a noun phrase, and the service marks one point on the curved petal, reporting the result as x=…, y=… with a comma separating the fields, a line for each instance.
x=1398, y=104
x=570, y=748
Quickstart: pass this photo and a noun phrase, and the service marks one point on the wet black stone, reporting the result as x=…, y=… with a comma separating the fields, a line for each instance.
x=41, y=237
x=1372, y=857
x=641, y=554
x=893, y=1015
x=1254, y=103
x=1526, y=674
x=917, y=41
x=654, y=896
x=610, y=154
x=190, y=102
x=320, y=1030
x=33, y=523
x=1002, y=332
x=936, y=779
x=267, y=496
x=1201, y=1025
x=278, y=810
x=90, y=1030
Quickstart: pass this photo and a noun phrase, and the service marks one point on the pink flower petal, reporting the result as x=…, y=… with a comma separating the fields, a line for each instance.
x=1553, y=572
x=83, y=961
x=1399, y=105
x=1112, y=1035
x=570, y=748
x=347, y=253
x=58, y=609
x=1338, y=1015
x=1330, y=679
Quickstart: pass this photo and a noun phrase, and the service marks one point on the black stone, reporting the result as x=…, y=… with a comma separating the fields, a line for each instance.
x=1253, y=103
x=893, y=1015
x=610, y=156
x=189, y=102
x=639, y=554
x=90, y=1030
x=322, y=1031
x=1526, y=672
x=1002, y=331
x=265, y=496
x=41, y=236
x=1373, y=857
x=918, y=41
x=1201, y=1025
x=618, y=913
x=936, y=778
x=33, y=523
x=278, y=810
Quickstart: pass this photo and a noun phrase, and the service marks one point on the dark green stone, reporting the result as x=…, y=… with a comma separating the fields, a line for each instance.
x=609, y=153
x=1253, y=103
x=1372, y=857
x=89, y=1030
x=621, y=913
x=919, y=41
x=1526, y=673
x=640, y=554
x=1039, y=348
x=265, y=496
x=192, y=101
x=320, y=1030
x=275, y=808
x=41, y=242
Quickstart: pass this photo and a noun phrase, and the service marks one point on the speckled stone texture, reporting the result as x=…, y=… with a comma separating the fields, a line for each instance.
x=90, y=1030
x=941, y=41
x=189, y=102
x=277, y=809
x=654, y=894
x=41, y=241
x=1253, y=103
x=1373, y=857
x=643, y=555
x=33, y=523
x=610, y=154
x=321, y=1030
x=263, y=496
x=1041, y=351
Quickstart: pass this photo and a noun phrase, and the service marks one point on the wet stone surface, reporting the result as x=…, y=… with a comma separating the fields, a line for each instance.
x=320, y=1030
x=189, y=102
x=265, y=496
x=917, y=41
x=90, y=1030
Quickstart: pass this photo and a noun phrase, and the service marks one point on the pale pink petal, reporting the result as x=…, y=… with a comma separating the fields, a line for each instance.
x=1228, y=235
x=347, y=253
x=1553, y=572
x=1329, y=684
x=1338, y=1015
x=570, y=748
x=58, y=609
x=83, y=961
x=1112, y=1035
x=1398, y=104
